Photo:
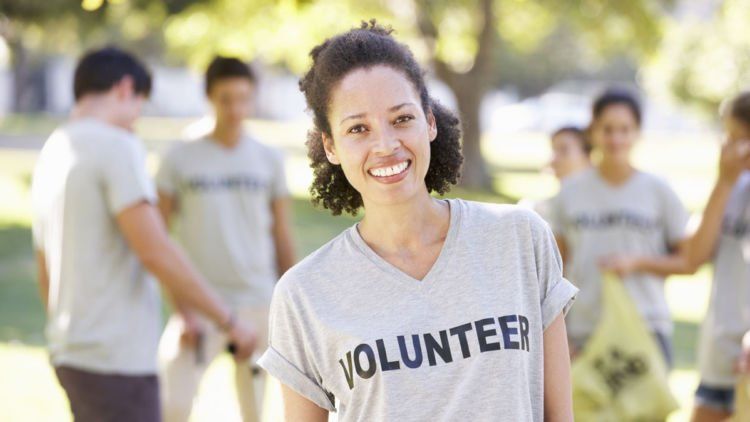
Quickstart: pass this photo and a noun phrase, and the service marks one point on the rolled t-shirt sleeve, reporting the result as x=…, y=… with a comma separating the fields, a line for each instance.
x=556, y=294
x=290, y=357
x=126, y=181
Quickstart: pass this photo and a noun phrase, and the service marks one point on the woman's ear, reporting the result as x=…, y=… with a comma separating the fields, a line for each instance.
x=330, y=150
x=432, y=126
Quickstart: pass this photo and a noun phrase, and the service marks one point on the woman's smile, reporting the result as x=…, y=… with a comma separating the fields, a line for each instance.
x=390, y=173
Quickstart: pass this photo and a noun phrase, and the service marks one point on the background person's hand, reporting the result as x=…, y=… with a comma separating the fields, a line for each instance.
x=743, y=363
x=622, y=265
x=735, y=157
x=243, y=339
x=191, y=329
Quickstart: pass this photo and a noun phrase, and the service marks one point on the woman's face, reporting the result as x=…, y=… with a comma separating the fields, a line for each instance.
x=381, y=135
x=614, y=133
x=568, y=155
x=232, y=99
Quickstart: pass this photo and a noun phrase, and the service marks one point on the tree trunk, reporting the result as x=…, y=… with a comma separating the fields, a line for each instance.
x=468, y=88
x=475, y=174
x=21, y=75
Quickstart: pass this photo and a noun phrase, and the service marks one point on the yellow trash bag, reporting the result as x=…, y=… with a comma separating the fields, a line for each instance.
x=742, y=400
x=620, y=375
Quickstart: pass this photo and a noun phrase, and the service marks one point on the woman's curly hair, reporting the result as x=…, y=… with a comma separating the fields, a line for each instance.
x=364, y=47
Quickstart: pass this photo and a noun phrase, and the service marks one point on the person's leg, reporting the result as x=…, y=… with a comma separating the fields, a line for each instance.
x=81, y=409
x=110, y=398
x=665, y=346
x=248, y=376
x=181, y=369
x=712, y=404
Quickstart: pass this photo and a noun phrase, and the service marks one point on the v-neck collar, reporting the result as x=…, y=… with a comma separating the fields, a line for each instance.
x=445, y=252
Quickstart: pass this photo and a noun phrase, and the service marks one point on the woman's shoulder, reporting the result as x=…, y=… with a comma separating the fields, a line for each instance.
x=578, y=182
x=316, y=268
x=654, y=181
x=480, y=214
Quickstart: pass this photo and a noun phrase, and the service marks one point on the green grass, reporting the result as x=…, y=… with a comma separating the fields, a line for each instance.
x=28, y=124
x=28, y=390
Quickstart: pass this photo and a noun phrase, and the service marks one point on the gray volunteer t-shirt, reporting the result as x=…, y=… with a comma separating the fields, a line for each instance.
x=352, y=333
x=728, y=316
x=104, y=310
x=641, y=217
x=224, y=216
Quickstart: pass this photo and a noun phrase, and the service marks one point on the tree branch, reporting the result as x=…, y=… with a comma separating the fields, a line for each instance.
x=487, y=41
x=430, y=32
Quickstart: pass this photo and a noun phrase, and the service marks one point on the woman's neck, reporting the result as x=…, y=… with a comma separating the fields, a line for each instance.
x=410, y=226
x=615, y=172
x=227, y=135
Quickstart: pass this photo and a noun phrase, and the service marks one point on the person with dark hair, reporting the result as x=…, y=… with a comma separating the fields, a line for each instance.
x=96, y=232
x=614, y=208
x=98, y=72
x=722, y=237
x=222, y=69
x=427, y=308
x=570, y=155
x=228, y=195
x=571, y=151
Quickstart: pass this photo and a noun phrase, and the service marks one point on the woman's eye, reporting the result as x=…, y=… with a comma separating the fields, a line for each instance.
x=403, y=119
x=356, y=129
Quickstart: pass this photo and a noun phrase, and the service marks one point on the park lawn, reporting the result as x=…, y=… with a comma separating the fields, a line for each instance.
x=28, y=390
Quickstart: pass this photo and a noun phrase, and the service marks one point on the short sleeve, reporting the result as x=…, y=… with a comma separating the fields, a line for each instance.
x=279, y=187
x=126, y=181
x=290, y=356
x=167, y=178
x=674, y=215
x=555, y=292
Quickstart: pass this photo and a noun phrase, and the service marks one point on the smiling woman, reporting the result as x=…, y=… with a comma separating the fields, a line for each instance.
x=426, y=309
x=330, y=186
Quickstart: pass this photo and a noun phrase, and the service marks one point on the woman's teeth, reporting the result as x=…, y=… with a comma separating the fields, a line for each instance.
x=390, y=171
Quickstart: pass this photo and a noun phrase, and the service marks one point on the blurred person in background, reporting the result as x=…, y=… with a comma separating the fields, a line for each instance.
x=571, y=153
x=722, y=237
x=96, y=231
x=614, y=208
x=227, y=197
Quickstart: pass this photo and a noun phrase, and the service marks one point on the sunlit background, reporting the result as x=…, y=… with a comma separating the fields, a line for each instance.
x=514, y=69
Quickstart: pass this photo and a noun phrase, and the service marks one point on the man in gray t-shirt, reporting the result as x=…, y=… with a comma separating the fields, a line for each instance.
x=354, y=334
x=642, y=217
x=227, y=195
x=96, y=232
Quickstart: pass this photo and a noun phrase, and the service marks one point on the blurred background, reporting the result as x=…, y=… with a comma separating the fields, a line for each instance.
x=514, y=69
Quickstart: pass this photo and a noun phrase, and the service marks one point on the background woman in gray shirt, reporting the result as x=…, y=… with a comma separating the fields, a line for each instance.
x=614, y=209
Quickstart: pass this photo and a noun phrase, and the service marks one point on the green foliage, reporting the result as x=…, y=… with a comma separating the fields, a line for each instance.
x=277, y=32
x=70, y=26
x=704, y=61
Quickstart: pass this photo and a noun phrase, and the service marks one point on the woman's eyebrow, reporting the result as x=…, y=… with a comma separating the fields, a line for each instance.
x=402, y=105
x=353, y=116
x=360, y=115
